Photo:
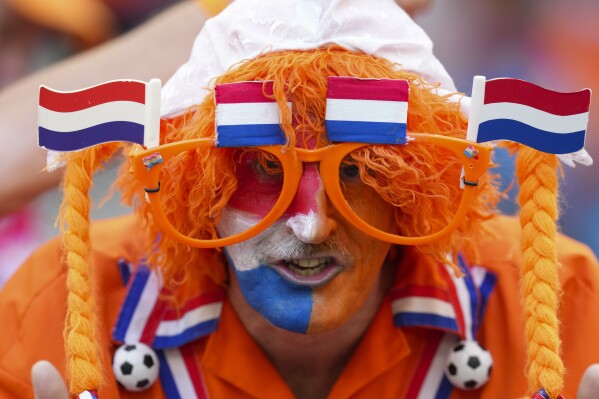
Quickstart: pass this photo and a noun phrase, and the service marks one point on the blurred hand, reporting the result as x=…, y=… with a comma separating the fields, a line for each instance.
x=47, y=381
x=589, y=385
x=412, y=7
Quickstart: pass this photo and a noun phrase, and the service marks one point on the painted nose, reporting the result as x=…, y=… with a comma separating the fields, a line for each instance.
x=309, y=220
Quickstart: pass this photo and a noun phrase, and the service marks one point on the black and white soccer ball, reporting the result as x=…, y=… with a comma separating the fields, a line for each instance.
x=135, y=366
x=468, y=365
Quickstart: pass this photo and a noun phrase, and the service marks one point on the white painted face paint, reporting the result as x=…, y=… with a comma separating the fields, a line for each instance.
x=311, y=228
x=234, y=221
x=280, y=241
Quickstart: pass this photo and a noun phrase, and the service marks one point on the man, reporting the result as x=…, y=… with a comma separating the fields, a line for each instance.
x=318, y=292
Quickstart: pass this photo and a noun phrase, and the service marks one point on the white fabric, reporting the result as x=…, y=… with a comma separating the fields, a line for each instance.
x=581, y=157
x=366, y=110
x=248, y=28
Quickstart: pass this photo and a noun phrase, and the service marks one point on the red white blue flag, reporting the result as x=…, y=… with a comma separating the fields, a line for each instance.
x=367, y=110
x=121, y=110
x=247, y=115
x=180, y=375
x=88, y=395
x=516, y=110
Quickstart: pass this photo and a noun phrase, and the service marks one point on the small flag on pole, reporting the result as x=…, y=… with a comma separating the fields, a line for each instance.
x=120, y=110
x=247, y=115
x=367, y=110
x=88, y=395
x=516, y=110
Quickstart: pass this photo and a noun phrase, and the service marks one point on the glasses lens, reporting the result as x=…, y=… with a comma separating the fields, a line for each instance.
x=208, y=193
x=411, y=190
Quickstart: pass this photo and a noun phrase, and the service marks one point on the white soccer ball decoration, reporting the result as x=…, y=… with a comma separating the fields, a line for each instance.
x=468, y=365
x=135, y=366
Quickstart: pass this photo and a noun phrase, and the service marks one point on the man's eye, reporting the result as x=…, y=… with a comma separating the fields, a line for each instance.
x=268, y=169
x=349, y=172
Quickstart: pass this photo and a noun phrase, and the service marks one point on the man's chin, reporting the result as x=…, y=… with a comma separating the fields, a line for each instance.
x=322, y=327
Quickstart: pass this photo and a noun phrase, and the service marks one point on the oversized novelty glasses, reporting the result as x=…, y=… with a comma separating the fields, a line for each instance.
x=408, y=194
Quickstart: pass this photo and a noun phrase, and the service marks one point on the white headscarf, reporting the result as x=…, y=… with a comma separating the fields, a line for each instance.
x=248, y=28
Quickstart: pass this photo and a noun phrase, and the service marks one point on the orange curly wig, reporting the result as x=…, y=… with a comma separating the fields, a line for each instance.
x=423, y=189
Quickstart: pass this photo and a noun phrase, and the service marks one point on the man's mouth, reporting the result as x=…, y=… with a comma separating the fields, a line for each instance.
x=308, y=271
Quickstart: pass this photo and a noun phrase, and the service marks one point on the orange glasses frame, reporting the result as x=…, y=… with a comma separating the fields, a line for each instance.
x=330, y=158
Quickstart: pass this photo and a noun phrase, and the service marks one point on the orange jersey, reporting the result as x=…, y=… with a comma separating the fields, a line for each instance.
x=389, y=362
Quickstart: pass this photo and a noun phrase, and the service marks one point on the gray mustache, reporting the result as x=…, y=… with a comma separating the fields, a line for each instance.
x=284, y=245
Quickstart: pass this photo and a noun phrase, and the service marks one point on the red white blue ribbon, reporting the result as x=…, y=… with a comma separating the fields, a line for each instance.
x=367, y=110
x=180, y=375
x=429, y=379
x=449, y=314
x=146, y=317
x=468, y=297
x=197, y=318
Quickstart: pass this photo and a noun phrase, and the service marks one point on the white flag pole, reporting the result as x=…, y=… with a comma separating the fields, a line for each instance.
x=476, y=107
x=477, y=100
x=152, y=118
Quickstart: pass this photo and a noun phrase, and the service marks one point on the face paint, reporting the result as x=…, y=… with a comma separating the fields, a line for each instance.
x=310, y=271
x=259, y=183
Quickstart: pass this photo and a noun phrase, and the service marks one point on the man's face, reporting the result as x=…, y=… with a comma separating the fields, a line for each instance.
x=311, y=270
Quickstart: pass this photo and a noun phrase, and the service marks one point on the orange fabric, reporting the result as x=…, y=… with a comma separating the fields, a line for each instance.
x=91, y=21
x=32, y=309
x=213, y=7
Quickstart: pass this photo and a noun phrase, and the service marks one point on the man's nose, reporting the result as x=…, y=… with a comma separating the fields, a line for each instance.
x=309, y=220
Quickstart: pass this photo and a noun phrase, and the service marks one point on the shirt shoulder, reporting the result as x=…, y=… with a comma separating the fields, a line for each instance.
x=503, y=326
x=500, y=251
x=34, y=301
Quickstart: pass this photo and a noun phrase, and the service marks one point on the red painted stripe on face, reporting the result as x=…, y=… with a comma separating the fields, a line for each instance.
x=257, y=188
x=308, y=192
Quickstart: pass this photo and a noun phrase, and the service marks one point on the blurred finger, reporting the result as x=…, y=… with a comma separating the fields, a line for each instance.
x=412, y=7
x=589, y=384
x=47, y=381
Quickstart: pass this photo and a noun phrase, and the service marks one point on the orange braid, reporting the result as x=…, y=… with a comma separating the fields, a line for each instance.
x=540, y=286
x=84, y=369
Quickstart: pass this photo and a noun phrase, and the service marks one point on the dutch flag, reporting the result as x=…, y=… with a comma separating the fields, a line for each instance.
x=88, y=395
x=367, y=110
x=120, y=110
x=516, y=110
x=247, y=115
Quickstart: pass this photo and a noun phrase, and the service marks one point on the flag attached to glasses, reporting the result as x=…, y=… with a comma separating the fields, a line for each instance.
x=120, y=110
x=247, y=115
x=516, y=110
x=367, y=110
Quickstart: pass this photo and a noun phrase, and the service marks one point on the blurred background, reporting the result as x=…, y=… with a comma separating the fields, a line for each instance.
x=35, y=34
x=553, y=43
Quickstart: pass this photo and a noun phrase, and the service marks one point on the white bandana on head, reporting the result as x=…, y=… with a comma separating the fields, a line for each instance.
x=248, y=28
